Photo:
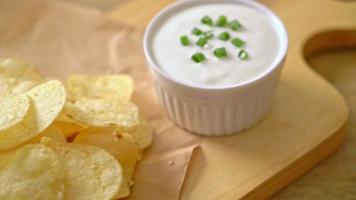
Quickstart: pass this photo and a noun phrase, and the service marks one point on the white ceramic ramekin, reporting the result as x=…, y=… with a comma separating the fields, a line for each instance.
x=216, y=111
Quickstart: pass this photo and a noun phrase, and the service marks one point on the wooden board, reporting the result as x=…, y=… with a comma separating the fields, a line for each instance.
x=335, y=177
x=305, y=125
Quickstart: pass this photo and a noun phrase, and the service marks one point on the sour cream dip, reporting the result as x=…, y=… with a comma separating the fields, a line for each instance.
x=261, y=38
x=218, y=91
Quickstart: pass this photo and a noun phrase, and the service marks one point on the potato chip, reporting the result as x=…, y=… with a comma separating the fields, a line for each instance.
x=17, y=120
x=121, y=146
x=82, y=143
x=51, y=132
x=90, y=172
x=13, y=110
x=104, y=86
x=103, y=112
x=31, y=172
x=68, y=129
x=63, y=117
x=142, y=134
x=45, y=103
x=48, y=100
x=17, y=77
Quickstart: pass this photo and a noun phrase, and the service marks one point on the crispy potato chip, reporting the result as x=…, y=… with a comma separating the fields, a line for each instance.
x=51, y=132
x=142, y=134
x=45, y=102
x=68, y=129
x=13, y=109
x=90, y=172
x=63, y=117
x=104, y=86
x=48, y=100
x=17, y=77
x=38, y=118
x=121, y=146
x=103, y=112
x=31, y=172
x=17, y=120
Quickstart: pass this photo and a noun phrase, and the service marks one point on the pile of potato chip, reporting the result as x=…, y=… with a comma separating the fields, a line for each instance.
x=78, y=141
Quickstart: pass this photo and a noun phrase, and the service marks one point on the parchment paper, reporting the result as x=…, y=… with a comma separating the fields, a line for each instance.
x=61, y=39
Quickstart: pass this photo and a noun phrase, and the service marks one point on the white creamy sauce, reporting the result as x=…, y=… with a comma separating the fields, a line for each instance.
x=261, y=39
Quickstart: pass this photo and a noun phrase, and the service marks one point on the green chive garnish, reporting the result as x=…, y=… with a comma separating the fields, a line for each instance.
x=198, y=57
x=224, y=36
x=207, y=20
x=202, y=42
x=243, y=55
x=222, y=21
x=220, y=52
x=184, y=40
x=208, y=35
x=196, y=31
x=234, y=25
x=237, y=42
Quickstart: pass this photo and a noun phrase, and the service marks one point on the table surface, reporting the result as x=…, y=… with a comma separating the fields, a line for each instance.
x=335, y=178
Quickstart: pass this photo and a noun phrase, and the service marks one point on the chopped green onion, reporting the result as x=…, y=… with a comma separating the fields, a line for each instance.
x=237, y=42
x=222, y=21
x=243, y=55
x=184, y=40
x=224, y=36
x=207, y=20
x=234, y=25
x=208, y=34
x=198, y=57
x=196, y=31
x=202, y=42
x=220, y=52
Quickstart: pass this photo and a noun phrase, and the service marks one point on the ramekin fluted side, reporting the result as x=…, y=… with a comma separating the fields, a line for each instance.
x=214, y=119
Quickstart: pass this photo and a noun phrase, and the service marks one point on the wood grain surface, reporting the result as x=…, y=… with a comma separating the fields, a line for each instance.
x=335, y=178
x=304, y=126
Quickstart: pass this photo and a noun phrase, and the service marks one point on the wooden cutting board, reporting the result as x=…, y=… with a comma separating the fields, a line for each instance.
x=305, y=125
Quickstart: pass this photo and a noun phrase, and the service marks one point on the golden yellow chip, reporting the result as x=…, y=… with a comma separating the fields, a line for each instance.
x=17, y=77
x=17, y=120
x=42, y=105
x=142, y=134
x=48, y=100
x=36, y=120
x=63, y=117
x=121, y=146
x=13, y=109
x=103, y=112
x=31, y=172
x=90, y=172
x=68, y=129
x=51, y=132
x=104, y=86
